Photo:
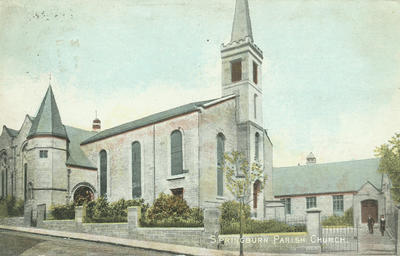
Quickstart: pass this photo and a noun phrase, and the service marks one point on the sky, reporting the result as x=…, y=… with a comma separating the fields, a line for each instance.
x=331, y=71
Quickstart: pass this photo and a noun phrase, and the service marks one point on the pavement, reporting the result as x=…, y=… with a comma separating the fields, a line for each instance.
x=172, y=249
x=27, y=244
x=375, y=244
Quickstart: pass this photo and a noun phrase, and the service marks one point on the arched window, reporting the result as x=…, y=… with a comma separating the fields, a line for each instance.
x=257, y=147
x=12, y=183
x=2, y=184
x=176, y=153
x=136, y=170
x=25, y=180
x=6, y=182
x=255, y=106
x=256, y=190
x=220, y=162
x=103, y=173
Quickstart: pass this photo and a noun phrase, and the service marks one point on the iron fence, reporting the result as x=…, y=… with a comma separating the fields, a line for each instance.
x=339, y=239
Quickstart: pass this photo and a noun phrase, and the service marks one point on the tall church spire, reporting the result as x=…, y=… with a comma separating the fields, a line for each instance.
x=241, y=24
x=48, y=121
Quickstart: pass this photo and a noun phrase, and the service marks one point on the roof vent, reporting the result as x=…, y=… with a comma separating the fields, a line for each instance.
x=311, y=159
x=96, y=124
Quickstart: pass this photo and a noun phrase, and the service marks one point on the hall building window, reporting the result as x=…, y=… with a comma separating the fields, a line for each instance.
x=311, y=202
x=338, y=204
x=288, y=205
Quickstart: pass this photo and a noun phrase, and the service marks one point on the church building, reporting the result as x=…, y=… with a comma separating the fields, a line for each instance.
x=175, y=151
x=178, y=152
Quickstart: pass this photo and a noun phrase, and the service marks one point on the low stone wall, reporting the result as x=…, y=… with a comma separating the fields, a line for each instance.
x=183, y=236
x=59, y=225
x=106, y=229
x=12, y=221
x=274, y=243
x=207, y=236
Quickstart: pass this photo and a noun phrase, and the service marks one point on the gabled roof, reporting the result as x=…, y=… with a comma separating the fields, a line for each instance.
x=11, y=132
x=241, y=28
x=48, y=120
x=334, y=177
x=77, y=157
x=155, y=118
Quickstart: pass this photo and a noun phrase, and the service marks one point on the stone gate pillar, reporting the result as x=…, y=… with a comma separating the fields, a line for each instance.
x=212, y=227
x=134, y=213
x=314, y=230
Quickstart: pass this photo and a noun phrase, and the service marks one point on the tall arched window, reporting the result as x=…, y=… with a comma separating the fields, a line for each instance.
x=25, y=180
x=255, y=106
x=12, y=183
x=136, y=170
x=176, y=153
x=220, y=162
x=257, y=146
x=2, y=184
x=103, y=173
x=256, y=190
x=6, y=182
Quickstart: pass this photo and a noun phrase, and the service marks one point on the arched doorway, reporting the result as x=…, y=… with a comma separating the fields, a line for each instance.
x=83, y=194
x=369, y=207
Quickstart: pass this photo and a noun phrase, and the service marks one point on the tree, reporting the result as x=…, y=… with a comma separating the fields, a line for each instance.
x=389, y=164
x=240, y=175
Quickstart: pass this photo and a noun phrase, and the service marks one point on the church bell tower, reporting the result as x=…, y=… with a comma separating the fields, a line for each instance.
x=241, y=75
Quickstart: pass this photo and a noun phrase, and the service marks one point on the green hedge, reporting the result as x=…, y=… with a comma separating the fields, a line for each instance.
x=345, y=220
x=11, y=207
x=62, y=212
x=230, y=222
x=166, y=211
x=101, y=211
x=251, y=226
x=172, y=211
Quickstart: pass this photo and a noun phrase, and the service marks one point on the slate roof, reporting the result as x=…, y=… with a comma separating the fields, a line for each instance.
x=155, y=118
x=76, y=156
x=11, y=132
x=334, y=177
x=48, y=120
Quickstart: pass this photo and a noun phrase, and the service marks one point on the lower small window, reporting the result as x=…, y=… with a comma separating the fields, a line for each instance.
x=43, y=153
x=177, y=192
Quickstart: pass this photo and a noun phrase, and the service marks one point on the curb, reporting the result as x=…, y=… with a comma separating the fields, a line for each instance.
x=145, y=245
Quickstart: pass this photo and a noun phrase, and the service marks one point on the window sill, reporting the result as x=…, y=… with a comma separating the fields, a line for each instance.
x=221, y=198
x=176, y=177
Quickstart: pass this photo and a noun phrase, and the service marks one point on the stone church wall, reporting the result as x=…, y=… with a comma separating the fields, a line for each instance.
x=80, y=176
x=220, y=118
x=155, y=157
x=19, y=142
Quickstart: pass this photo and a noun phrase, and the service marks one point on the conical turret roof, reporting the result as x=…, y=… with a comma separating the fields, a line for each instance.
x=48, y=120
x=241, y=28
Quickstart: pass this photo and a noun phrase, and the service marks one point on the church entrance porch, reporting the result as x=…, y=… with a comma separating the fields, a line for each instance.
x=83, y=194
x=369, y=207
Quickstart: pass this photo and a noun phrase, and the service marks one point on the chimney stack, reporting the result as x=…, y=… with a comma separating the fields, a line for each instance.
x=311, y=159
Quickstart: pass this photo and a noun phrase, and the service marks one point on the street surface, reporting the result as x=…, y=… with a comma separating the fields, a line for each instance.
x=18, y=243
